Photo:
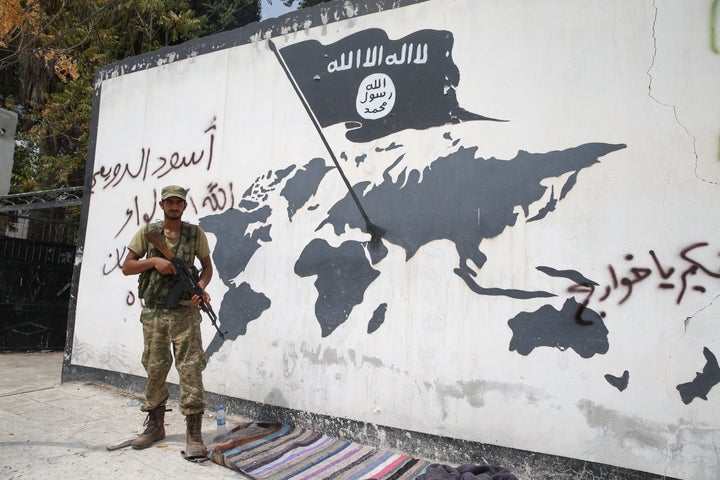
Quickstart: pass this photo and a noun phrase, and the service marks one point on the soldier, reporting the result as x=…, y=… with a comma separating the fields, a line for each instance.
x=178, y=327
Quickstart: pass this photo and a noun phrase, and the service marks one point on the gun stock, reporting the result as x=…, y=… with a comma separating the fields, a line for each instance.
x=156, y=238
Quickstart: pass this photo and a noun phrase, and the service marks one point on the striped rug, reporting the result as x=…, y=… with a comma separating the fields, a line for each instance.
x=276, y=451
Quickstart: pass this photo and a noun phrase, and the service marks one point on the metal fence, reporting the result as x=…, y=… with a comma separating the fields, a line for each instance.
x=37, y=254
x=40, y=229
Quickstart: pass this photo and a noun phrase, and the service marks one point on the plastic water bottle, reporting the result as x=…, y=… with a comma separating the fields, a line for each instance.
x=221, y=429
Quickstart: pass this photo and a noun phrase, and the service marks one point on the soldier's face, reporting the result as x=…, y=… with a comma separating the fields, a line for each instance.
x=173, y=207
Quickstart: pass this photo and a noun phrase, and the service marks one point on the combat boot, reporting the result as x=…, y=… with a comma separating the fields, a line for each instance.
x=154, y=429
x=195, y=447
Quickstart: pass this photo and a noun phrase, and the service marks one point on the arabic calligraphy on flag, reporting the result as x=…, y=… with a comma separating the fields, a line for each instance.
x=378, y=86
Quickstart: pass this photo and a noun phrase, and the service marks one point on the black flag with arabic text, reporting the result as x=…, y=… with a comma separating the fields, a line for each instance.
x=378, y=86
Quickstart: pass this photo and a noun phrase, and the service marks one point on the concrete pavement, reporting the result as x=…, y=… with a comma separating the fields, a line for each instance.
x=51, y=430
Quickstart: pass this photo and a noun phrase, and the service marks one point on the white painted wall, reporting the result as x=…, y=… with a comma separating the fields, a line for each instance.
x=564, y=73
x=8, y=127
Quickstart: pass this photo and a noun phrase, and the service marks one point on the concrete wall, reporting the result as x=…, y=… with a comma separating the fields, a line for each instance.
x=8, y=127
x=546, y=177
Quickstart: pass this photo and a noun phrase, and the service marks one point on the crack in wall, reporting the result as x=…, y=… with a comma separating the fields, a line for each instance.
x=704, y=307
x=673, y=107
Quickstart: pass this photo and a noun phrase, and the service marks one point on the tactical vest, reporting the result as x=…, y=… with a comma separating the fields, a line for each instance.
x=153, y=287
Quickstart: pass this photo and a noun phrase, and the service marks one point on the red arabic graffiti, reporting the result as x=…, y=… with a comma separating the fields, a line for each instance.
x=133, y=213
x=218, y=198
x=637, y=274
x=130, y=299
x=116, y=261
x=153, y=167
x=141, y=212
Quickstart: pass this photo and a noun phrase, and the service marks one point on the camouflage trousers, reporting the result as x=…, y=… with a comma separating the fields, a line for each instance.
x=178, y=328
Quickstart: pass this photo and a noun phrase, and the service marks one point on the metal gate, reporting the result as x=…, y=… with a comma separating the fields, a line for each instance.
x=38, y=237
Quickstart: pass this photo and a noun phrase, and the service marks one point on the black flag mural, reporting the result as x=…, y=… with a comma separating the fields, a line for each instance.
x=379, y=86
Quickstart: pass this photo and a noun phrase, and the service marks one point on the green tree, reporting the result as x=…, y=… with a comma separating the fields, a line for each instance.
x=49, y=51
x=223, y=15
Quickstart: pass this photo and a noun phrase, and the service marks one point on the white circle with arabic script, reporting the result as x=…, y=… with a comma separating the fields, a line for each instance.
x=376, y=96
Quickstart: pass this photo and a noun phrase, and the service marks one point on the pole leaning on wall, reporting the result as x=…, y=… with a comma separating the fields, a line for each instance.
x=375, y=231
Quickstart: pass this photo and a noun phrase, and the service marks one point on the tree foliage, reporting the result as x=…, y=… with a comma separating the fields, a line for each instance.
x=49, y=51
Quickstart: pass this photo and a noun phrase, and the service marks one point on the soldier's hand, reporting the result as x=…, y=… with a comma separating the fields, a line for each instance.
x=196, y=299
x=164, y=266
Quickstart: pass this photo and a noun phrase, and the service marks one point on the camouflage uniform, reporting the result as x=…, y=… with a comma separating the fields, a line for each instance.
x=177, y=327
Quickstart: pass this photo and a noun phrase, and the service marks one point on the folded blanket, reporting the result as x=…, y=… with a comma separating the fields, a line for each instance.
x=466, y=472
x=278, y=451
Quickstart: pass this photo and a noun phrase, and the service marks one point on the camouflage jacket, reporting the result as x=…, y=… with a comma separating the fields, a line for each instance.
x=153, y=287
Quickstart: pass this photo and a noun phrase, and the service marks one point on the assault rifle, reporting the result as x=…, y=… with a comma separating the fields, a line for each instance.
x=185, y=279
